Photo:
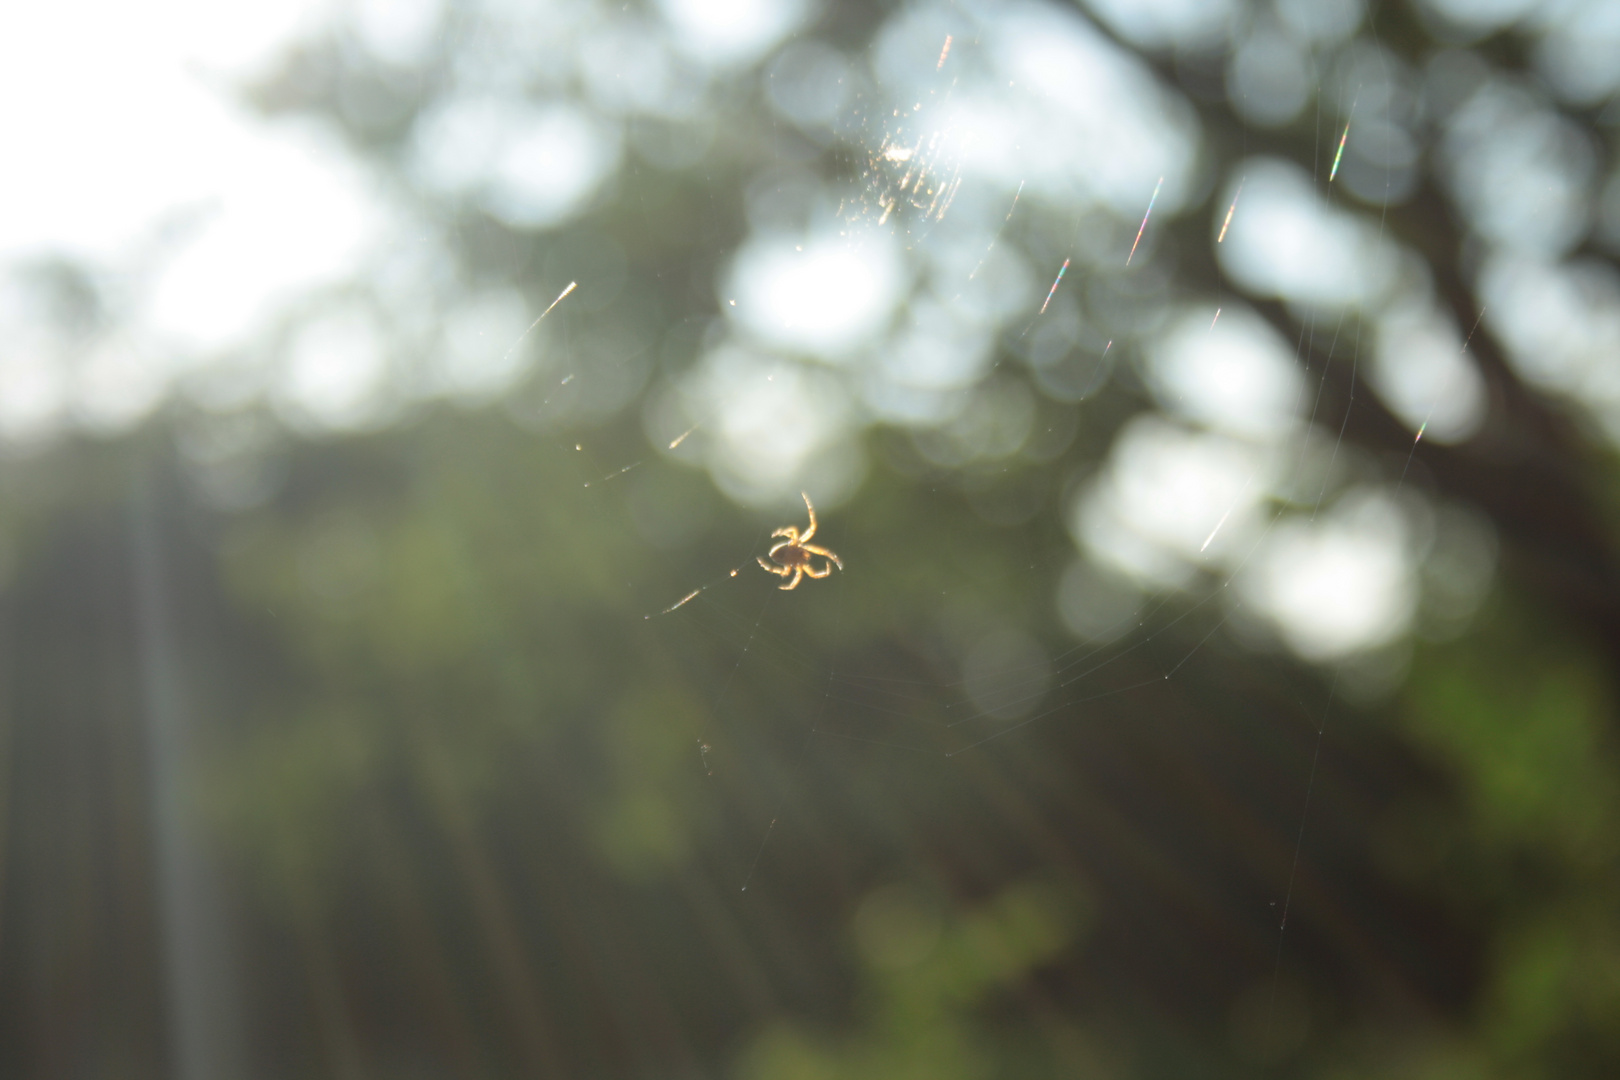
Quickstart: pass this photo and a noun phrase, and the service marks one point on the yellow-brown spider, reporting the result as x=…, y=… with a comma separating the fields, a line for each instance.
x=792, y=555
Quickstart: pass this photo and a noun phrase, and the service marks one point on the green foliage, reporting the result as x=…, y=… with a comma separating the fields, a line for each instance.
x=1522, y=719
x=928, y=977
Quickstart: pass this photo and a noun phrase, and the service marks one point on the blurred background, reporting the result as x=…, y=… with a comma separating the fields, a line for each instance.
x=1214, y=406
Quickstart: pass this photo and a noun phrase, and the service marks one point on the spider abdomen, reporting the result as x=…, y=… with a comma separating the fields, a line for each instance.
x=791, y=555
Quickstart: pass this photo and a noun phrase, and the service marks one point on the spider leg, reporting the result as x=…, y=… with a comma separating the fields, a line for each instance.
x=824, y=553
x=779, y=571
x=810, y=571
x=811, y=531
x=788, y=531
x=778, y=547
x=798, y=574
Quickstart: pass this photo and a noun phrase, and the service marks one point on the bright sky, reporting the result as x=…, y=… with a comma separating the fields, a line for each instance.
x=117, y=111
x=201, y=220
x=226, y=245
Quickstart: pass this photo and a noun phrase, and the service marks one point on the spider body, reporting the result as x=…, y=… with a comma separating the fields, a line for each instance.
x=792, y=557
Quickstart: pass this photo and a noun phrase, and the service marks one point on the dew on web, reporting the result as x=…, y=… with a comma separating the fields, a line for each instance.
x=1143, y=227
x=572, y=285
x=1338, y=155
x=1064, y=269
x=910, y=174
x=613, y=475
x=1226, y=222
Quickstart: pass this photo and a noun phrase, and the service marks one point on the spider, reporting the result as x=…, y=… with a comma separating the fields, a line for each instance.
x=792, y=555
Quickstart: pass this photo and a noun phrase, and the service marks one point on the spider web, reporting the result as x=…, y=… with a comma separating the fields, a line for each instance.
x=815, y=693
x=906, y=698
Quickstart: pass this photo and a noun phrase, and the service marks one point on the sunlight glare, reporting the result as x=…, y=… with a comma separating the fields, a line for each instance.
x=334, y=370
x=480, y=359
x=1421, y=372
x=93, y=171
x=289, y=216
x=1288, y=243
x=627, y=67
x=1269, y=78
x=1581, y=53
x=117, y=386
x=531, y=166
x=1096, y=117
x=1560, y=324
x=1522, y=171
x=733, y=32
x=1237, y=376
x=809, y=83
x=1184, y=24
x=1481, y=16
x=918, y=378
x=1170, y=498
x=771, y=426
x=824, y=297
x=1340, y=585
x=33, y=395
x=397, y=31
